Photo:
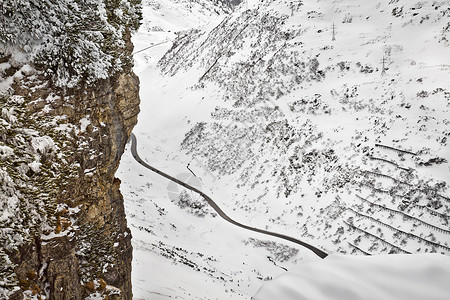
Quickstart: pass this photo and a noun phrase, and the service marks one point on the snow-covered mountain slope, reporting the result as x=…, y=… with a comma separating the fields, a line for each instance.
x=164, y=18
x=342, y=143
x=355, y=277
x=181, y=252
x=310, y=122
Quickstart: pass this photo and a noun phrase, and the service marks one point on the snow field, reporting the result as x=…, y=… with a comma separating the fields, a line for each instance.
x=359, y=198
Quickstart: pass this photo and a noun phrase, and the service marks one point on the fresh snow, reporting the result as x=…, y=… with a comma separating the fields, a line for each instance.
x=387, y=277
x=177, y=254
x=84, y=123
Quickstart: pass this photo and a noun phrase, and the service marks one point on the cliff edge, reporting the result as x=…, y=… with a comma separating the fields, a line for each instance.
x=69, y=101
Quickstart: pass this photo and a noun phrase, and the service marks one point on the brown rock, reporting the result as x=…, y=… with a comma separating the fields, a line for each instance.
x=96, y=245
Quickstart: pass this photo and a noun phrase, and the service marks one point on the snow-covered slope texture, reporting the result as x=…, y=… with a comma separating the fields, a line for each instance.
x=162, y=19
x=181, y=248
x=329, y=120
x=352, y=277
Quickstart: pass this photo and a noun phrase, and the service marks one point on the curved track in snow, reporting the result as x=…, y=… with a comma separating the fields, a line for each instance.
x=219, y=211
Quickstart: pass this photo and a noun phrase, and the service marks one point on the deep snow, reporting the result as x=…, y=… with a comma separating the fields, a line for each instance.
x=387, y=277
x=353, y=108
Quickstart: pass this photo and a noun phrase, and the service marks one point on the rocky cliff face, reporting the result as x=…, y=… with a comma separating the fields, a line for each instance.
x=89, y=248
x=63, y=230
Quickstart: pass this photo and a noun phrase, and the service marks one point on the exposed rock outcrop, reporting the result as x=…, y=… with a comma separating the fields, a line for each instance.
x=89, y=245
x=63, y=229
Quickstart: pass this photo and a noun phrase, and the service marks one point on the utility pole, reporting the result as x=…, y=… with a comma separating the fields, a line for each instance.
x=383, y=70
x=334, y=33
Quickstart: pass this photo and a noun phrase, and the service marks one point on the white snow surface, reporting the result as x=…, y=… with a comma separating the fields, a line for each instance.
x=387, y=277
x=180, y=255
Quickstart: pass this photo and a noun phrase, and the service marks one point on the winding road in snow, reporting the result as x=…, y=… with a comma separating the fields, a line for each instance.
x=219, y=211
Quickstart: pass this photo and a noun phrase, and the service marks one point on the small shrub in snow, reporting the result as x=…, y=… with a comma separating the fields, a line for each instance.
x=196, y=207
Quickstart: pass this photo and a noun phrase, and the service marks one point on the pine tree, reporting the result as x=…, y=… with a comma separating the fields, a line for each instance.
x=72, y=41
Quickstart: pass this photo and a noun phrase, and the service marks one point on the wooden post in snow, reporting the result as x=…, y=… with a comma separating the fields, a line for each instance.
x=334, y=33
x=383, y=69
